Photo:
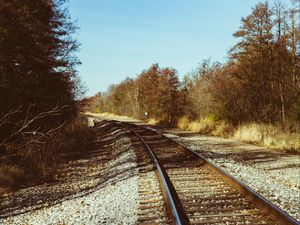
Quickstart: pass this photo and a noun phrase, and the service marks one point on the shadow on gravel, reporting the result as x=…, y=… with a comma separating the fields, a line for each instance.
x=78, y=175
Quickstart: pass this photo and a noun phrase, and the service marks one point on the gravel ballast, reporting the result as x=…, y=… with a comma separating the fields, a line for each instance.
x=153, y=210
x=275, y=175
x=99, y=187
x=113, y=204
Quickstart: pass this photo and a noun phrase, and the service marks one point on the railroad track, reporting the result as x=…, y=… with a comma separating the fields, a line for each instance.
x=196, y=191
x=152, y=207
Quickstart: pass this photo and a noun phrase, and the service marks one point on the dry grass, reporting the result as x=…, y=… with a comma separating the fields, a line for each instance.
x=36, y=158
x=209, y=125
x=110, y=116
x=203, y=126
x=223, y=129
x=262, y=134
x=153, y=121
x=183, y=123
x=268, y=136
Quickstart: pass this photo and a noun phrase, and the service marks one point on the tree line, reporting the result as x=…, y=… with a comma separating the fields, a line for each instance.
x=39, y=90
x=156, y=92
x=37, y=61
x=260, y=82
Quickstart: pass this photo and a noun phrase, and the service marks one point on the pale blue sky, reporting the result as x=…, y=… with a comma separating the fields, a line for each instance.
x=120, y=38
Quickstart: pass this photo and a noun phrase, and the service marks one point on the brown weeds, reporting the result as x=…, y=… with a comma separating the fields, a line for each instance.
x=268, y=135
x=30, y=155
x=262, y=134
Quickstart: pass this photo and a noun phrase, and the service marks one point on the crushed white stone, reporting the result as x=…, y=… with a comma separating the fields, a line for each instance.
x=113, y=204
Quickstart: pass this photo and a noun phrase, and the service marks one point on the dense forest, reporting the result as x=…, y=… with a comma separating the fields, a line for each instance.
x=39, y=88
x=259, y=83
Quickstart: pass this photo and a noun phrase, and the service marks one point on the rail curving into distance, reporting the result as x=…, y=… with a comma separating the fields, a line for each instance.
x=197, y=191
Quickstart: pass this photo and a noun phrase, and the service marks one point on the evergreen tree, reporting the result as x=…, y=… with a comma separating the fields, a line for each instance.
x=37, y=61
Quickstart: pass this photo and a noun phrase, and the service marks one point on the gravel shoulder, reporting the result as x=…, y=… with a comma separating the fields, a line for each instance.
x=113, y=204
x=275, y=175
x=98, y=187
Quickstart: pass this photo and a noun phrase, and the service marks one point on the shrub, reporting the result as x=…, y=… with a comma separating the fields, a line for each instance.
x=153, y=121
x=204, y=126
x=78, y=137
x=183, y=123
x=211, y=125
x=35, y=158
x=10, y=177
x=224, y=129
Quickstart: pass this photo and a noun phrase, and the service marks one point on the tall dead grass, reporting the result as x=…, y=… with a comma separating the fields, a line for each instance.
x=209, y=125
x=261, y=134
x=268, y=135
x=153, y=121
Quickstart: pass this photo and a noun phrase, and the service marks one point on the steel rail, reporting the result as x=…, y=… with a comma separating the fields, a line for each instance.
x=261, y=202
x=174, y=204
